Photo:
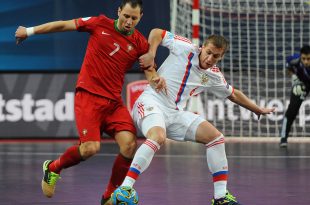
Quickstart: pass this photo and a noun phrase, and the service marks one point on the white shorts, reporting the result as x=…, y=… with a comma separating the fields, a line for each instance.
x=179, y=125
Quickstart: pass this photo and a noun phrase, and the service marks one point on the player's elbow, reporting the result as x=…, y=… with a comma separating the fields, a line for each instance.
x=157, y=33
x=233, y=97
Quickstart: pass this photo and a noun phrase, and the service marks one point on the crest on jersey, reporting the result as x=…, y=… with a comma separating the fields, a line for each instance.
x=204, y=79
x=129, y=47
x=84, y=131
x=149, y=108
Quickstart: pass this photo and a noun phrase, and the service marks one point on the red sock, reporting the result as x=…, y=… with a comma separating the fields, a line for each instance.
x=119, y=171
x=69, y=158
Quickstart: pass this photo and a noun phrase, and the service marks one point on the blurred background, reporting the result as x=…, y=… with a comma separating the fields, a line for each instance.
x=60, y=52
x=37, y=78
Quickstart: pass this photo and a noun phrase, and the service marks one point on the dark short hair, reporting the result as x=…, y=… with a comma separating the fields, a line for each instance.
x=305, y=50
x=133, y=4
x=218, y=41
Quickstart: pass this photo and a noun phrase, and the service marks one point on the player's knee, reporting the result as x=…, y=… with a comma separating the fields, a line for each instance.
x=157, y=134
x=128, y=149
x=89, y=149
x=160, y=139
x=213, y=137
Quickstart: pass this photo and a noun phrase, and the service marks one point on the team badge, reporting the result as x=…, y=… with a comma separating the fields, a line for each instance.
x=129, y=47
x=149, y=108
x=84, y=132
x=204, y=79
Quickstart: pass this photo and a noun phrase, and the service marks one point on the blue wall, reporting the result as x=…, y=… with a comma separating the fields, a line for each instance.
x=61, y=51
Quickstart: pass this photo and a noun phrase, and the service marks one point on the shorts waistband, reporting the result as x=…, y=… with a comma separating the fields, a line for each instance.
x=109, y=100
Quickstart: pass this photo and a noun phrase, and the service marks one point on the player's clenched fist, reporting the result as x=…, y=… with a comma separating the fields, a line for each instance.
x=21, y=34
x=146, y=61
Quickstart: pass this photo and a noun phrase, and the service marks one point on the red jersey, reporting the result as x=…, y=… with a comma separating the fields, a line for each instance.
x=109, y=55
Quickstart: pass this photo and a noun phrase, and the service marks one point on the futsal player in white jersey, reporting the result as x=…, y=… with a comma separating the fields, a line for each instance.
x=188, y=70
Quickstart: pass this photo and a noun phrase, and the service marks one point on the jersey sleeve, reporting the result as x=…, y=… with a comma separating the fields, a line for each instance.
x=86, y=24
x=176, y=44
x=144, y=45
x=221, y=88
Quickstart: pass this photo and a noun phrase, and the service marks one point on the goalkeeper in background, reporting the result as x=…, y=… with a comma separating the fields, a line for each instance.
x=299, y=66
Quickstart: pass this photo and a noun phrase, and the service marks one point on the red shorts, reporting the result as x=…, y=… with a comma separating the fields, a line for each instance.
x=95, y=114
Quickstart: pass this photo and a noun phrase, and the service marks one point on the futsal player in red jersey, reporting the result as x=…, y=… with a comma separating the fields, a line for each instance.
x=113, y=47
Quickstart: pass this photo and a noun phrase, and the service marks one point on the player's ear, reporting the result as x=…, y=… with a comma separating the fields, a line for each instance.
x=119, y=11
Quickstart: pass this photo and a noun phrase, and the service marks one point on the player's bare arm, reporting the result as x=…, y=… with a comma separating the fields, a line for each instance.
x=146, y=62
x=23, y=33
x=157, y=82
x=155, y=38
x=241, y=99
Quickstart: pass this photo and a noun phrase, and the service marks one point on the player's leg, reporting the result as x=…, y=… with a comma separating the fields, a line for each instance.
x=89, y=143
x=290, y=116
x=120, y=125
x=150, y=120
x=127, y=143
x=192, y=127
x=217, y=161
x=153, y=127
x=140, y=162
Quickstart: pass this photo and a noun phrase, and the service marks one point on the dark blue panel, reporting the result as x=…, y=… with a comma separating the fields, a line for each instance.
x=61, y=51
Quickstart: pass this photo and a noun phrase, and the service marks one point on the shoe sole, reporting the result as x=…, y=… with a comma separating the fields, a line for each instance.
x=47, y=190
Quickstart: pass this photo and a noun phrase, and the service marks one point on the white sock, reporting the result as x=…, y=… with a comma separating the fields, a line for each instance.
x=218, y=166
x=141, y=161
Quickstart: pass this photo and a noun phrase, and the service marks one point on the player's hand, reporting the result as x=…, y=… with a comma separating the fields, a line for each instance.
x=146, y=61
x=159, y=84
x=20, y=34
x=265, y=111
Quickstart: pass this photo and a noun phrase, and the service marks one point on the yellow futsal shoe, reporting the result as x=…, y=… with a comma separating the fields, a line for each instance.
x=49, y=180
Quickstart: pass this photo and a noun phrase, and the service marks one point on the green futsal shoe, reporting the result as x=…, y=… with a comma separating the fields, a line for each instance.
x=49, y=180
x=227, y=200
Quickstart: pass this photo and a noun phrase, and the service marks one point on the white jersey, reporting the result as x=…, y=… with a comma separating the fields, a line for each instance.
x=183, y=75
